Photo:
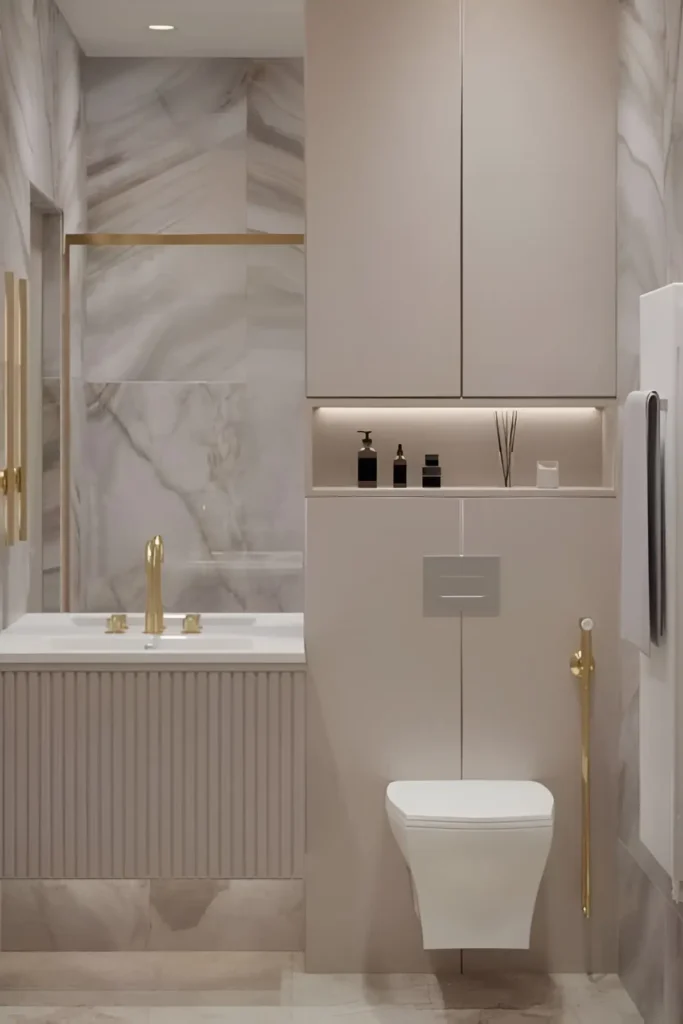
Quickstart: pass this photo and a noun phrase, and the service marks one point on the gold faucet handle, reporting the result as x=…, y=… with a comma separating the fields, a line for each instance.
x=117, y=623
x=192, y=623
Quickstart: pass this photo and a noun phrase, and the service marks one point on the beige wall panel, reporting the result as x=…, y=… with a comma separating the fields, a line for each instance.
x=383, y=704
x=539, y=203
x=521, y=711
x=383, y=197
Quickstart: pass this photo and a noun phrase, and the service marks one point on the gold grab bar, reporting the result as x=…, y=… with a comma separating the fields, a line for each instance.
x=583, y=665
x=22, y=469
x=9, y=480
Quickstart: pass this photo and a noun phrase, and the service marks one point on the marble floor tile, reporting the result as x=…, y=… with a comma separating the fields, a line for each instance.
x=222, y=1015
x=268, y=988
x=383, y=1014
x=527, y=993
x=598, y=999
x=240, y=978
x=567, y=1016
x=73, y=1015
x=354, y=991
x=189, y=1001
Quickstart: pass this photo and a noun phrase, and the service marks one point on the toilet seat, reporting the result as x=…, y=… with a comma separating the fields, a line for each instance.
x=470, y=804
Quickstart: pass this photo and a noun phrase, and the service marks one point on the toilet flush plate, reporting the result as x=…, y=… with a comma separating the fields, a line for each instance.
x=461, y=585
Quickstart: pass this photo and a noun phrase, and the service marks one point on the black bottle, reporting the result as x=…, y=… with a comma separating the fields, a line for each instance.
x=431, y=472
x=400, y=469
x=367, y=462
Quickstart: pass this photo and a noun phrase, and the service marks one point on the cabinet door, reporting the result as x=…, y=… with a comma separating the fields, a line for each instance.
x=383, y=198
x=539, y=197
x=521, y=710
x=383, y=704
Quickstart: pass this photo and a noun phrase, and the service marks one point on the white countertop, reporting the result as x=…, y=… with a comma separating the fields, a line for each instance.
x=73, y=639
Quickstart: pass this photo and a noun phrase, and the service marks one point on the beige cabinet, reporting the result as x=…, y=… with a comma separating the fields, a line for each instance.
x=539, y=184
x=383, y=704
x=521, y=712
x=383, y=198
x=397, y=92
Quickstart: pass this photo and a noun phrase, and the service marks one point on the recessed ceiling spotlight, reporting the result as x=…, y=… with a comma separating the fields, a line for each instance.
x=161, y=28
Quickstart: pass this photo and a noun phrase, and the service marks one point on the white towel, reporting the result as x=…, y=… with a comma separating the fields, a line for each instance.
x=635, y=571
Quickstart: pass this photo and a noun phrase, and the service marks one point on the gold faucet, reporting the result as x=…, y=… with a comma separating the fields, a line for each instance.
x=154, y=608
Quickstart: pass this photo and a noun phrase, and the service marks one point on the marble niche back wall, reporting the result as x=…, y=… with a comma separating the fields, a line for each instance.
x=192, y=390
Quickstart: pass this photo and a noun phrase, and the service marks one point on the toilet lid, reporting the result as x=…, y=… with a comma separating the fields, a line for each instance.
x=470, y=803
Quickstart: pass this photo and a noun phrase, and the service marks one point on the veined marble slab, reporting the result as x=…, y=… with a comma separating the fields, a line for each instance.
x=194, y=357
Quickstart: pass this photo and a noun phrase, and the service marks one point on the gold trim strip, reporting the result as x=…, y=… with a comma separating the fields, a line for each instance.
x=10, y=451
x=583, y=666
x=65, y=436
x=22, y=471
x=97, y=239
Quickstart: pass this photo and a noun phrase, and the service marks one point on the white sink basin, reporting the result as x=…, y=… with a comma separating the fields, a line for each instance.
x=225, y=639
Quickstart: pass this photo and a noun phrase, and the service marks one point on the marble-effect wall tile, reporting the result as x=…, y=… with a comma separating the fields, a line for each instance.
x=275, y=128
x=642, y=939
x=51, y=493
x=194, y=357
x=41, y=142
x=184, y=315
x=74, y=915
x=650, y=251
x=241, y=914
x=166, y=144
x=162, y=458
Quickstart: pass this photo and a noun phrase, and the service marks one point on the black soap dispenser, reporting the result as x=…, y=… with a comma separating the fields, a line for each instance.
x=367, y=462
x=400, y=468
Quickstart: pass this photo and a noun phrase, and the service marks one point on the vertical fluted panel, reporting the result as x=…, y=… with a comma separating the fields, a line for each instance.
x=152, y=775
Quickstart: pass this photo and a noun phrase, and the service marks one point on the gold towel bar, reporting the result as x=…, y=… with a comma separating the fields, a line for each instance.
x=9, y=485
x=22, y=358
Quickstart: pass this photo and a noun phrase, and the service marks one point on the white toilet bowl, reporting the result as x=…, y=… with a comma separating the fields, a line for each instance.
x=476, y=851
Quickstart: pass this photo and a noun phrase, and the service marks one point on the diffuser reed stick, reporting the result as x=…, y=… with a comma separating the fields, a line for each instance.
x=506, y=431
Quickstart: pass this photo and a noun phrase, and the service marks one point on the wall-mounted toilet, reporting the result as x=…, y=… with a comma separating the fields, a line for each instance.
x=476, y=851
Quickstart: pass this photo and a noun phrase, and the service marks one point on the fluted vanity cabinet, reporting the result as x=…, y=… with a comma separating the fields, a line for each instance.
x=383, y=198
x=539, y=203
x=521, y=709
x=383, y=698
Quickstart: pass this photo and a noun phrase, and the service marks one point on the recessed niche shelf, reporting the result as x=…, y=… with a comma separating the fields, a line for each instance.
x=463, y=492
x=579, y=435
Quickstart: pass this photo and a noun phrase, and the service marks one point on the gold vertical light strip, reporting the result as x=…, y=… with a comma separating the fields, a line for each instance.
x=65, y=438
x=22, y=418
x=10, y=420
x=582, y=666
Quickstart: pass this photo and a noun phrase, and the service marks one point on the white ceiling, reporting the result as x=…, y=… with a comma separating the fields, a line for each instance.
x=204, y=28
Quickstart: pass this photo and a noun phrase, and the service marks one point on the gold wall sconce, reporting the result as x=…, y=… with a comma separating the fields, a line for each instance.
x=13, y=478
x=583, y=666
